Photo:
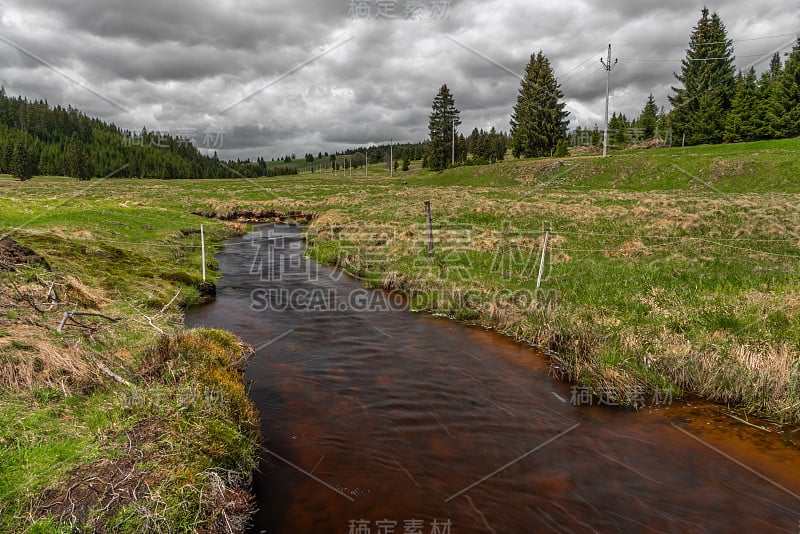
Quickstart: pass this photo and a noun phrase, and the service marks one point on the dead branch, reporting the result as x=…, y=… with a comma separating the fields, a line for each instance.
x=113, y=375
x=52, y=295
x=70, y=315
x=24, y=297
x=149, y=319
x=167, y=305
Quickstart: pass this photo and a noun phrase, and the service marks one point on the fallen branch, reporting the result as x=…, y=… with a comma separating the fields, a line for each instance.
x=51, y=296
x=149, y=319
x=748, y=423
x=168, y=304
x=113, y=375
x=24, y=297
x=69, y=315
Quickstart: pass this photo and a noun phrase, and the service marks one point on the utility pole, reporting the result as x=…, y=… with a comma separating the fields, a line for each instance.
x=366, y=162
x=391, y=156
x=453, y=160
x=608, y=66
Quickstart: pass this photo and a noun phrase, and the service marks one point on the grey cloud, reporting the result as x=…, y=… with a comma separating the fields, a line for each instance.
x=177, y=64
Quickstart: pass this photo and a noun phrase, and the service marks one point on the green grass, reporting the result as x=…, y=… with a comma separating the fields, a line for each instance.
x=672, y=269
x=131, y=253
x=200, y=425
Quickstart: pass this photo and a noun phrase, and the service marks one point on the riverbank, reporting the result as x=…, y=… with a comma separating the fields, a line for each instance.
x=113, y=417
x=666, y=271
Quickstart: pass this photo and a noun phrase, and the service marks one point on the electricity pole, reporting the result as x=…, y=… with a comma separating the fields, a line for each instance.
x=608, y=66
x=391, y=156
x=366, y=162
x=453, y=160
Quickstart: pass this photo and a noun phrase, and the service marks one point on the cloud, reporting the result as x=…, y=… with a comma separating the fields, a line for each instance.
x=178, y=64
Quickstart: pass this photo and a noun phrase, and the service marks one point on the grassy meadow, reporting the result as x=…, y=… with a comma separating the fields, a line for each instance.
x=125, y=426
x=674, y=269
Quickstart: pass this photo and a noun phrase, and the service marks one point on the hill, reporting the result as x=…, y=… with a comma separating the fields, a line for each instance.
x=64, y=142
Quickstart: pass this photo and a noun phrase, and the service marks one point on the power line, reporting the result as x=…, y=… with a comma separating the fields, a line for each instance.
x=578, y=75
x=568, y=74
x=659, y=59
x=726, y=42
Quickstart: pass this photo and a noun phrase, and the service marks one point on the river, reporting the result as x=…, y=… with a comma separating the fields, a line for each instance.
x=380, y=420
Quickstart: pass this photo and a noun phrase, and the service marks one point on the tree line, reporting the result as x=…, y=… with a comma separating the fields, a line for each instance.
x=712, y=103
x=715, y=104
x=37, y=139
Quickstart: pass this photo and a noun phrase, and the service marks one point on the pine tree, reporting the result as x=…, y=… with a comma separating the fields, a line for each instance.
x=22, y=162
x=708, y=82
x=766, y=125
x=539, y=120
x=443, y=118
x=784, y=107
x=775, y=67
x=78, y=165
x=562, y=149
x=741, y=122
x=618, y=129
x=497, y=145
x=649, y=118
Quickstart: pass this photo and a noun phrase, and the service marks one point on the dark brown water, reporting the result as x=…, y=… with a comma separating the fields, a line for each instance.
x=391, y=415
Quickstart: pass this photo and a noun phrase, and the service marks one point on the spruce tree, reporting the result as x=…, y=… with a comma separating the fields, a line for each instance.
x=618, y=130
x=443, y=118
x=741, y=122
x=767, y=125
x=775, y=67
x=539, y=121
x=22, y=162
x=497, y=145
x=649, y=118
x=708, y=82
x=784, y=108
x=78, y=165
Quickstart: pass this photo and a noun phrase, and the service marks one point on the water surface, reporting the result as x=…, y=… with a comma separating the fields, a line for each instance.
x=399, y=416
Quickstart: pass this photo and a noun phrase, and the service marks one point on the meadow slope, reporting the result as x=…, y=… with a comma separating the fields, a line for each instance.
x=671, y=269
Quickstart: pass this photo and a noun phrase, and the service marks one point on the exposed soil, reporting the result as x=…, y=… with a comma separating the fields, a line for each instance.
x=107, y=484
x=12, y=254
x=110, y=484
x=256, y=216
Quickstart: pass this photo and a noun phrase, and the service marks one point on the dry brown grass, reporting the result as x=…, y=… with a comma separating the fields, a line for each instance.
x=89, y=296
x=629, y=249
x=721, y=167
x=33, y=362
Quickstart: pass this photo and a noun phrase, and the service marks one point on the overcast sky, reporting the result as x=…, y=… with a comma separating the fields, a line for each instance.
x=290, y=76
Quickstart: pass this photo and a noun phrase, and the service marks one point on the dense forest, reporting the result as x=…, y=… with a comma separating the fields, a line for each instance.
x=36, y=139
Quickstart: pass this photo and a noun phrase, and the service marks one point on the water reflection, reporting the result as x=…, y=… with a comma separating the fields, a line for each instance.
x=430, y=426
